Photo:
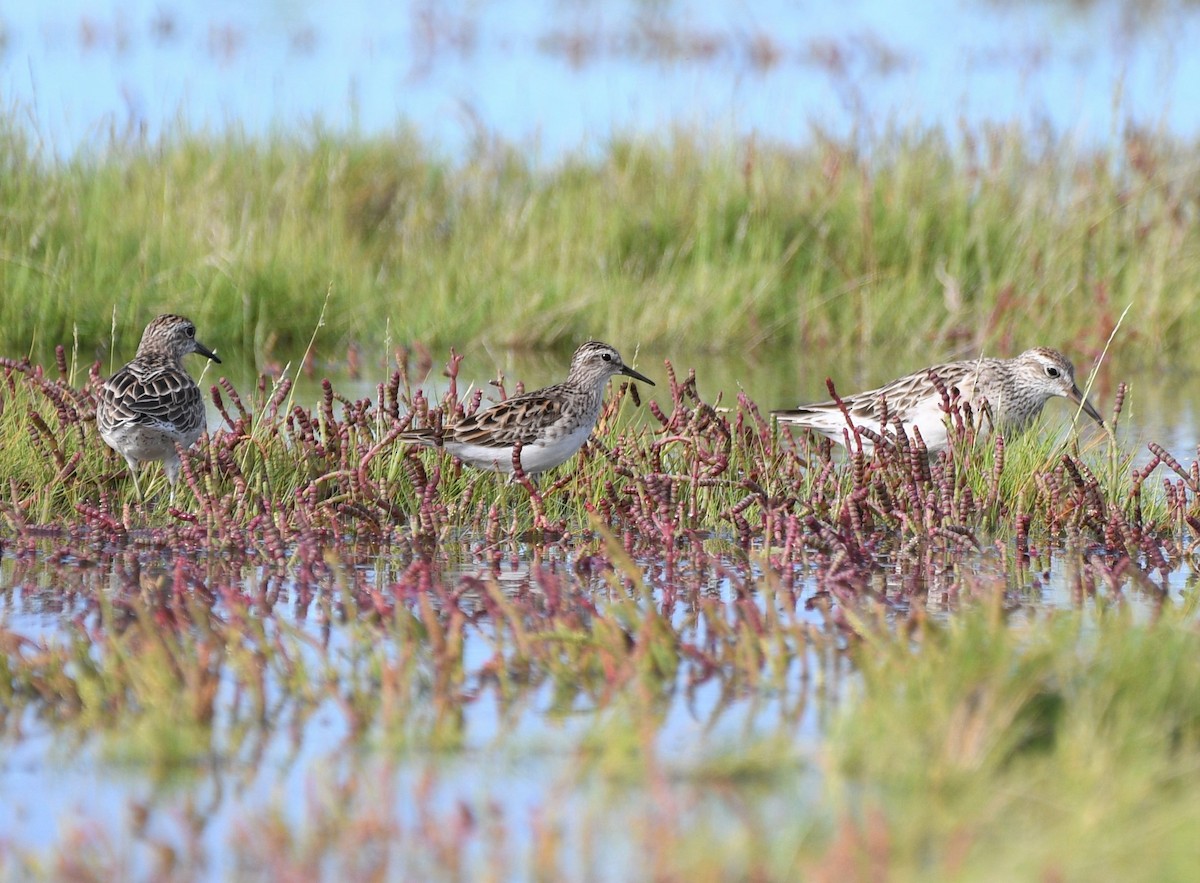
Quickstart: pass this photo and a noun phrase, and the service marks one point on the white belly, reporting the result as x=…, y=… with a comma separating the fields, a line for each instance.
x=535, y=458
x=146, y=442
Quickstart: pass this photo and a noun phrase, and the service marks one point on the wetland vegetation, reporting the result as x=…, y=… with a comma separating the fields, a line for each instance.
x=703, y=649
x=962, y=242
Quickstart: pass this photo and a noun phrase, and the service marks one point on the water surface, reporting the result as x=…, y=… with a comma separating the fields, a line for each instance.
x=561, y=77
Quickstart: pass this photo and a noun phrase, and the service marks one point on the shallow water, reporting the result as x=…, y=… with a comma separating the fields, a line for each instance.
x=518, y=764
x=559, y=77
x=518, y=760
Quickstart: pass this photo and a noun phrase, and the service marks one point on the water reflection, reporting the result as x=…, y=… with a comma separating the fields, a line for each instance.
x=176, y=700
x=216, y=711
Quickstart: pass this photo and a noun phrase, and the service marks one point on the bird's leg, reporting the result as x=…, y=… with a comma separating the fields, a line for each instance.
x=530, y=484
x=133, y=470
x=171, y=468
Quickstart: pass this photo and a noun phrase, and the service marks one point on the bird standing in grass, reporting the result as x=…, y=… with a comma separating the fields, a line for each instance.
x=550, y=424
x=152, y=404
x=1016, y=390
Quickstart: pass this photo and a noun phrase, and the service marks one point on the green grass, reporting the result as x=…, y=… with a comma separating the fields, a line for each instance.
x=958, y=243
x=1066, y=746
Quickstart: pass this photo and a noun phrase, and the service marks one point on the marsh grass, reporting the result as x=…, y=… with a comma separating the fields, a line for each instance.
x=665, y=471
x=956, y=240
x=978, y=748
x=1067, y=713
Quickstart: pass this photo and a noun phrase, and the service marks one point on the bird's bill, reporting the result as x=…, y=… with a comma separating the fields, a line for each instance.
x=1077, y=398
x=206, y=352
x=635, y=375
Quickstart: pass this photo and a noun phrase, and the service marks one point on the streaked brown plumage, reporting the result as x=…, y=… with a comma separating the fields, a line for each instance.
x=551, y=424
x=1015, y=389
x=152, y=404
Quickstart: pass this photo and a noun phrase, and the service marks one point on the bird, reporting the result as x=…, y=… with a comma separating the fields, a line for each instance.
x=152, y=404
x=1015, y=389
x=550, y=424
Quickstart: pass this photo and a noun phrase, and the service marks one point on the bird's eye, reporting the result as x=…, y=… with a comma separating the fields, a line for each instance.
x=606, y=357
x=1052, y=371
x=189, y=330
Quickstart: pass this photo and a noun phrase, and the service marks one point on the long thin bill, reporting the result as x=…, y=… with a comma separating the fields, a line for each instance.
x=205, y=351
x=1077, y=398
x=636, y=376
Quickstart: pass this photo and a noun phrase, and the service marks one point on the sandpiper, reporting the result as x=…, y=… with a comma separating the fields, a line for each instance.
x=152, y=404
x=550, y=424
x=1015, y=390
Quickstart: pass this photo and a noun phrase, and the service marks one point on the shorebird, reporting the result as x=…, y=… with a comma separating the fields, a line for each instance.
x=1015, y=390
x=152, y=404
x=550, y=424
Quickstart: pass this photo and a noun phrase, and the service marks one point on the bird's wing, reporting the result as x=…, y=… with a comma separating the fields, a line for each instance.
x=162, y=398
x=519, y=419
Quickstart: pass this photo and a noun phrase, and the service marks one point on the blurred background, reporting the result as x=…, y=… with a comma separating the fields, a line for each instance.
x=559, y=76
